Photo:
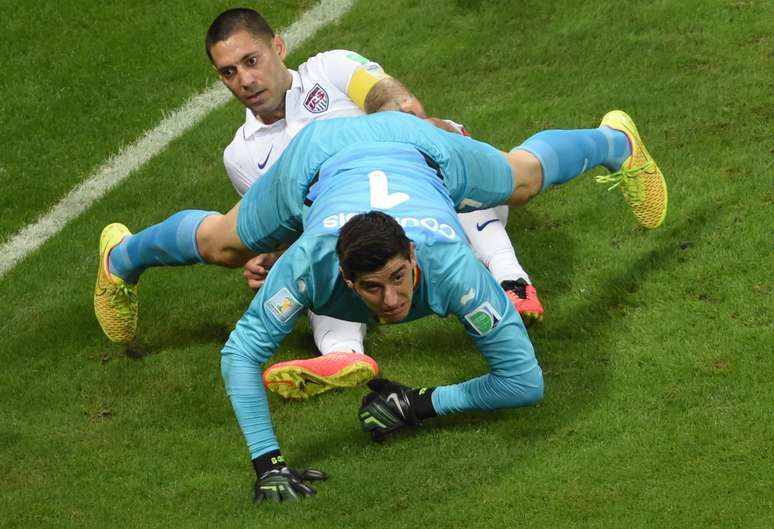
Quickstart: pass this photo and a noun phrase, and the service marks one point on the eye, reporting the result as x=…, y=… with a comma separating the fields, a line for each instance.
x=227, y=72
x=252, y=61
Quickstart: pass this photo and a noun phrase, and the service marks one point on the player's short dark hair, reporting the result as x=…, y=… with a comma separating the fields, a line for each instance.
x=233, y=20
x=368, y=241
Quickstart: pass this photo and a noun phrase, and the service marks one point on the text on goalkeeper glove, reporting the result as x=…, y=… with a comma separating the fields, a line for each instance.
x=286, y=484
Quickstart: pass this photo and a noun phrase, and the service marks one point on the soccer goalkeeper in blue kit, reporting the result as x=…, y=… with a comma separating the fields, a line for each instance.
x=372, y=203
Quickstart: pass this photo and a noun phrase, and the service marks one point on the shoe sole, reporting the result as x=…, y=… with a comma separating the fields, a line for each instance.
x=296, y=382
x=531, y=318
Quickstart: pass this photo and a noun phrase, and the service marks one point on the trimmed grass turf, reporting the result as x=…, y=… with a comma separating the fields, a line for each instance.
x=655, y=349
x=83, y=79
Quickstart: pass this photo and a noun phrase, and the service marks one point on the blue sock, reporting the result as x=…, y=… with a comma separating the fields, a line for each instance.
x=565, y=154
x=169, y=243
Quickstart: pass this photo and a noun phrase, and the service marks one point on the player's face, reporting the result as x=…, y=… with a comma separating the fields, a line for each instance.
x=388, y=291
x=253, y=69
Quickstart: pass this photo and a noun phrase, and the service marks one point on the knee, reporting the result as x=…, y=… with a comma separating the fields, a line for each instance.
x=527, y=176
x=212, y=245
x=206, y=242
x=533, y=171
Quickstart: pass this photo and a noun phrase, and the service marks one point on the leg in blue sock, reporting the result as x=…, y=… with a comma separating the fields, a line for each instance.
x=169, y=243
x=565, y=154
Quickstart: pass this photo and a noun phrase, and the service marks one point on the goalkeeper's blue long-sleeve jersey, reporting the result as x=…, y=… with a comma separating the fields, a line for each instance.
x=396, y=179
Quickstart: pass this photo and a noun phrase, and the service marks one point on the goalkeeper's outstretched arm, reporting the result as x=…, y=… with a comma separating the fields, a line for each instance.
x=515, y=378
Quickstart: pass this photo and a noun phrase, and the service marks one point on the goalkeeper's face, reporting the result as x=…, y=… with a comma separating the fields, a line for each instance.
x=388, y=291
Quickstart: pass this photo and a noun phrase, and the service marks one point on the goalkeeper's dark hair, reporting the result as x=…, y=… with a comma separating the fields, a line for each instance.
x=233, y=20
x=368, y=241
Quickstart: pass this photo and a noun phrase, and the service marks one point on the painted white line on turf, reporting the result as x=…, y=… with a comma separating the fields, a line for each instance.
x=133, y=156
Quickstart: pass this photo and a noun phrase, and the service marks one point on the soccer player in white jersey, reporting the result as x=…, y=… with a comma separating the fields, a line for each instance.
x=279, y=102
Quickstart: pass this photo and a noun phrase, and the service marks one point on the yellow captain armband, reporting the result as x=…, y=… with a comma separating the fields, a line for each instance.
x=361, y=83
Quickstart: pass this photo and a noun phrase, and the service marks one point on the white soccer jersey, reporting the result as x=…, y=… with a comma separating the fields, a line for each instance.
x=331, y=84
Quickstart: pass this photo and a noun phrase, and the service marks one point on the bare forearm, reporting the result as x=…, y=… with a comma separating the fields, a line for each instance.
x=390, y=94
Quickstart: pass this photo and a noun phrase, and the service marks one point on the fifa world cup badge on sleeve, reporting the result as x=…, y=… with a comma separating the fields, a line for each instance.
x=483, y=319
x=356, y=57
x=282, y=305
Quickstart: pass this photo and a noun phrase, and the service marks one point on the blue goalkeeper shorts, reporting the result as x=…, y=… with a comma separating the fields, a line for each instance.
x=475, y=174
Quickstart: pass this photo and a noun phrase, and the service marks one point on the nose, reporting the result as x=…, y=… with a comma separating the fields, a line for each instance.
x=390, y=296
x=246, y=79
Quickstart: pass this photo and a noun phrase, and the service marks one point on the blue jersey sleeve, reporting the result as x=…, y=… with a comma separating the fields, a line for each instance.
x=515, y=378
x=269, y=318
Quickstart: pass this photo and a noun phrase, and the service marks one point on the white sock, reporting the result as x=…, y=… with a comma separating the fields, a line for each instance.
x=334, y=336
x=486, y=232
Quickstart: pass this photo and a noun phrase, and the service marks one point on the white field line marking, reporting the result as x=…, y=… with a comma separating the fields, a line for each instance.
x=133, y=156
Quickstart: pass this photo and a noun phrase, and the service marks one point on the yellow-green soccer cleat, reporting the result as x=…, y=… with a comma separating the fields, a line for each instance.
x=115, y=301
x=301, y=379
x=641, y=182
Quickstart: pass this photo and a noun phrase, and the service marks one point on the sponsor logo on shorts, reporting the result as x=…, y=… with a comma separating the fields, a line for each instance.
x=316, y=100
x=483, y=319
x=282, y=305
x=428, y=223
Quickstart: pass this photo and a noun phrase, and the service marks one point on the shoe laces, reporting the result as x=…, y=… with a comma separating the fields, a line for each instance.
x=124, y=299
x=518, y=287
x=624, y=177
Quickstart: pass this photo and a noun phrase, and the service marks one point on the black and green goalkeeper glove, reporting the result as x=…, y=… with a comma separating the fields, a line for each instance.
x=389, y=407
x=286, y=484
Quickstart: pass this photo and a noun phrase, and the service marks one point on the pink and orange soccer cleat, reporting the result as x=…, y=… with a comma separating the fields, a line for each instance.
x=524, y=297
x=301, y=379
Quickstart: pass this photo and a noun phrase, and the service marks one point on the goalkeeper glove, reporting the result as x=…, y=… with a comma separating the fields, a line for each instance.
x=389, y=407
x=286, y=484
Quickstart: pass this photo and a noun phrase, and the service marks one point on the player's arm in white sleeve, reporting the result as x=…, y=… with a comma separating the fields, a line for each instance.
x=367, y=84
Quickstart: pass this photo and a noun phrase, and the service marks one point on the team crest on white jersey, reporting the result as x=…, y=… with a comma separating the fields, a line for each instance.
x=316, y=100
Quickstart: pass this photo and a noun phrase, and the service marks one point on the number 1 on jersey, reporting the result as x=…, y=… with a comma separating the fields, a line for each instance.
x=380, y=196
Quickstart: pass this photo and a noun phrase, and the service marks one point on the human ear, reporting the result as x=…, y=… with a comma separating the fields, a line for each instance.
x=347, y=282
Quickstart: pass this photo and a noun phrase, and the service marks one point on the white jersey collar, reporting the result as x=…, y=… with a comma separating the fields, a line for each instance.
x=253, y=124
